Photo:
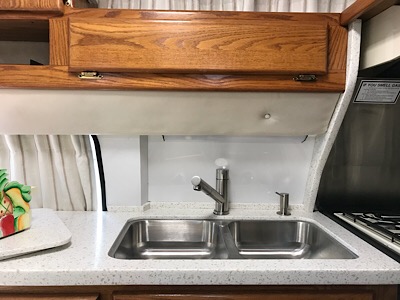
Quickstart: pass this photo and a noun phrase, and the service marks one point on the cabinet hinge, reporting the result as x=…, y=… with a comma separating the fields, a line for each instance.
x=305, y=77
x=90, y=75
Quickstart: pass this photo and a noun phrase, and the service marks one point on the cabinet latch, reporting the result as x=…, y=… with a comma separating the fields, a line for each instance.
x=305, y=77
x=90, y=75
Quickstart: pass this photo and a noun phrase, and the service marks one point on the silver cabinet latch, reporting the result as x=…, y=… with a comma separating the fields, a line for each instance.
x=305, y=77
x=90, y=75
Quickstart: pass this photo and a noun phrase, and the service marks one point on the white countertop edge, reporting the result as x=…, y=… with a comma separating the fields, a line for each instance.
x=206, y=277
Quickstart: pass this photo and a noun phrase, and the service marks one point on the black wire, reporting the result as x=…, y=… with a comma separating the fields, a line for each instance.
x=101, y=171
x=305, y=139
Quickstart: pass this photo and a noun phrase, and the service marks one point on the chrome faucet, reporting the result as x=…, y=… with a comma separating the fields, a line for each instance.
x=220, y=194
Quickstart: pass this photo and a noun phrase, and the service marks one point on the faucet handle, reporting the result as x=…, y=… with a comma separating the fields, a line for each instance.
x=221, y=163
x=284, y=204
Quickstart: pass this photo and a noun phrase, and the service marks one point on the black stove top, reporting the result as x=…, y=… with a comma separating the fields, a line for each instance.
x=387, y=225
x=382, y=230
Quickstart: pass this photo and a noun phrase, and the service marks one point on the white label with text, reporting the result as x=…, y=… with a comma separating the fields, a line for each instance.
x=378, y=91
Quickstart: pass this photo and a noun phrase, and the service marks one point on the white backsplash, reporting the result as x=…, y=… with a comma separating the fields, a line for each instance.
x=258, y=167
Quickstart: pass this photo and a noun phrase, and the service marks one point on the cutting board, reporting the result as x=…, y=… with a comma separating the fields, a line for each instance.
x=47, y=231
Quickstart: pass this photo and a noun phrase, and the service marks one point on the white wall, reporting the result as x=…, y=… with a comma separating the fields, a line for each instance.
x=381, y=38
x=125, y=169
x=258, y=168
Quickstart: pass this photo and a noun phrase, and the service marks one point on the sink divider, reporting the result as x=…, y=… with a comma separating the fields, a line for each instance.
x=233, y=251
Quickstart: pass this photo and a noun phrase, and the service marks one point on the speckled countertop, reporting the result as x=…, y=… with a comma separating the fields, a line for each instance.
x=84, y=261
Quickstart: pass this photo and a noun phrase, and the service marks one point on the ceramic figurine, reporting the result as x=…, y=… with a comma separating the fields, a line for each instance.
x=15, y=212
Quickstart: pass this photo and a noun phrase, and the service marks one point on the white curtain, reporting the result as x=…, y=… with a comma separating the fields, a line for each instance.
x=334, y=6
x=59, y=168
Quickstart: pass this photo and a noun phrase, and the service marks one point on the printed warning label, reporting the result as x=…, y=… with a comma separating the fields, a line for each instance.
x=378, y=91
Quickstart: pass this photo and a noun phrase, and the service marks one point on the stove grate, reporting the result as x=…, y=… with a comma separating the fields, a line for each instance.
x=386, y=225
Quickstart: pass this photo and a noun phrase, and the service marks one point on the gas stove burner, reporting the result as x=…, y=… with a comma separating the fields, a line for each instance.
x=390, y=217
x=380, y=217
x=381, y=230
x=387, y=225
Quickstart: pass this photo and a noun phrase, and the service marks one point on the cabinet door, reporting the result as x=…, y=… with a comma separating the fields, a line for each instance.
x=207, y=46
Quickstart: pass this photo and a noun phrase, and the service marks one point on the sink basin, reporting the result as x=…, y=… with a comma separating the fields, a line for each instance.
x=167, y=239
x=226, y=239
x=285, y=239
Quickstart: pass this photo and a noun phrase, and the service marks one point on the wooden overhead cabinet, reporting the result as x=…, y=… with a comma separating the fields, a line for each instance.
x=213, y=46
x=170, y=50
x=209, y=50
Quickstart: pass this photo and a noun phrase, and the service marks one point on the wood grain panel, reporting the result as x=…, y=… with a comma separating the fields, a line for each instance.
x=58, y=77
x=48, y=297
x=337, y=48
x=108, y=292
x=59, y=48
x=31, y=10
x=201, y=16
x=217, y=47
x=30, y=5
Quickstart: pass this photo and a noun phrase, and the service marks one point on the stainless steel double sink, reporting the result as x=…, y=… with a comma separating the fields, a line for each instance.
x=226, y=239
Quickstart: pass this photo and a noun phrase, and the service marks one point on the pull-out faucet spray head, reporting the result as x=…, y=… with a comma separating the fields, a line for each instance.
x=196, y=180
